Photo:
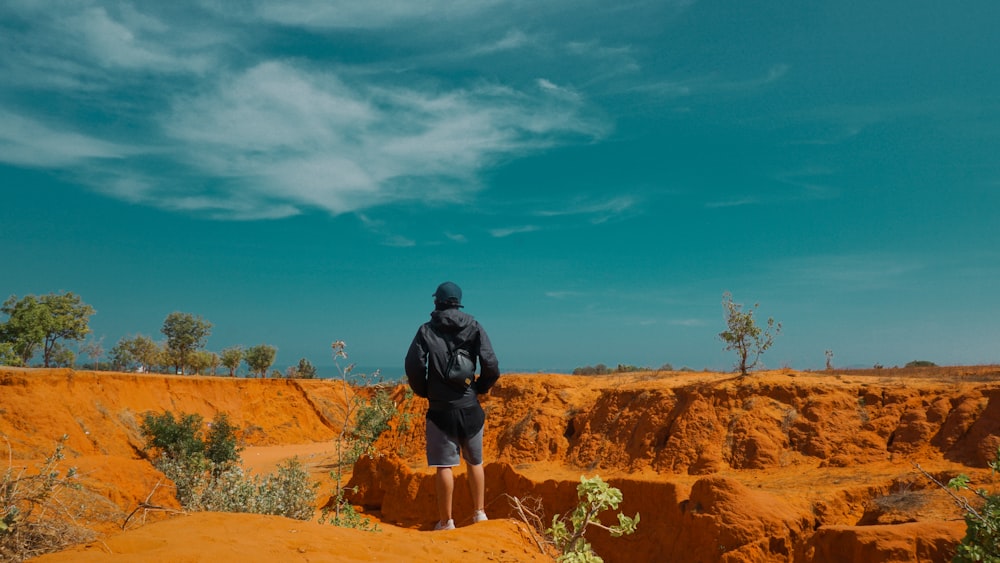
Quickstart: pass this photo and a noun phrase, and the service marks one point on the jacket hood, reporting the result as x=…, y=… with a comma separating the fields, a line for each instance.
x=451, y=320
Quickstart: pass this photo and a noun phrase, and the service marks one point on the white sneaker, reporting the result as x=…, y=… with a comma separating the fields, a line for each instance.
x=479, y=516
x=449, y=525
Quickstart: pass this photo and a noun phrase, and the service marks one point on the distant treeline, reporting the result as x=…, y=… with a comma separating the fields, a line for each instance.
x=601, y=369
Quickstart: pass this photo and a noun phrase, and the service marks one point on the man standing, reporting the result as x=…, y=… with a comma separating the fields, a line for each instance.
x=455, y=419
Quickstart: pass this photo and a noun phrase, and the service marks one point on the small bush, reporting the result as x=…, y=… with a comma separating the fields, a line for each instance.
x=567, y=531
x=921, y=364
x=34, y=520
x=208, y=476
x=363, y=421
x=982, y=536
x=981, y=543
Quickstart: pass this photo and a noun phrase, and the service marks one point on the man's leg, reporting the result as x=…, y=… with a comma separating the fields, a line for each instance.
x=477, y=486
x=444, y=484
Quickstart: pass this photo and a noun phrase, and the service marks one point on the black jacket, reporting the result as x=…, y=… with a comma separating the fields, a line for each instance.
x=427, y=359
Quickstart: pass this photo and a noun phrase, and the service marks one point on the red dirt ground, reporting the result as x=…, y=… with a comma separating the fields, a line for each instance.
x=779, y=466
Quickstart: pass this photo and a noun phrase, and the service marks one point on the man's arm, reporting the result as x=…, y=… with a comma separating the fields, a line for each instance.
x=489, y=367
x=416, y=366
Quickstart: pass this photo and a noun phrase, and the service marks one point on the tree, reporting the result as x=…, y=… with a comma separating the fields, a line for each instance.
x=121, y=354
x=260, y=358
x=185, y=333
x=139, y=350
x=146, y=352
x=61, y=356
x=7, y=355
x=231, y=358
x=305, y=369
x=744, y=336
x=214, y=362
x=93, y=349
x=41, y=322
x=200, y=360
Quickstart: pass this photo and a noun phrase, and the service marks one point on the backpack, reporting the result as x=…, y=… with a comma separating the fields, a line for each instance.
x=461, y=369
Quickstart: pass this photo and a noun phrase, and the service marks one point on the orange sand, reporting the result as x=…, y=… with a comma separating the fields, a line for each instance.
x=780, y=466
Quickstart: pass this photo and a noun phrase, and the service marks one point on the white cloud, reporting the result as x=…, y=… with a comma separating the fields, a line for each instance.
x=508, y=231
x=236, y=134
x=352, y=14
x=600, y=211
x=513, y=40
x=733, y=202
x=315, y=139
x=27, y=142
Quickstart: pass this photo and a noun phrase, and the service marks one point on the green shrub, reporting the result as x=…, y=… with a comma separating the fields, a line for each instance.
x=363, y=421
x=921, y=364
x=178, y=438
x=207, y=473
x=981, y=543
x=221, y=446
x=567, y=531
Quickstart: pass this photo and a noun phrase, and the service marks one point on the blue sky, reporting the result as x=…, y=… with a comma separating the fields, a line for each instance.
x=593, y=174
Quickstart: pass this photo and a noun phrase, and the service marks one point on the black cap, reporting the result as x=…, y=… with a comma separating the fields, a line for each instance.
x=449, y=292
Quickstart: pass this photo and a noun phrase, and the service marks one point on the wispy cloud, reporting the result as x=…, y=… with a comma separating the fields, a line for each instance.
x=712, y=84
x=508, y=231
x=850, y=272
x=688, y=322
x=564, y=294
x=740, y=202
x=599, y=212
x=514, y=39
x=354, y=15
x=199, y=121
x=28, y=142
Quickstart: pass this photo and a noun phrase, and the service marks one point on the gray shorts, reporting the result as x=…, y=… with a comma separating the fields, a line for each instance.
x=443, y=450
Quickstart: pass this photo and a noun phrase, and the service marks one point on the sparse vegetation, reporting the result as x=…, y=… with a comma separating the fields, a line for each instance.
x=207, y=473
x=364, y=420
x=34, y=519
x=568, y=531
x=921, y=364
x=601, y=369
x=981, y=543
x=744, y=335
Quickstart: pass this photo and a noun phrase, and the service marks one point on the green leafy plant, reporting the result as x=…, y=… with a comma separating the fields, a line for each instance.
x=207, y=473
x=981, y=543
x=366, y=417
x=982, y=536
x=568, y=531
x=744, y=335
x=34, y=517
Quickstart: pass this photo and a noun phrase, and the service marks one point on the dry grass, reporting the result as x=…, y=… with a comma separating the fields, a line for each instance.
x=35, y=518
